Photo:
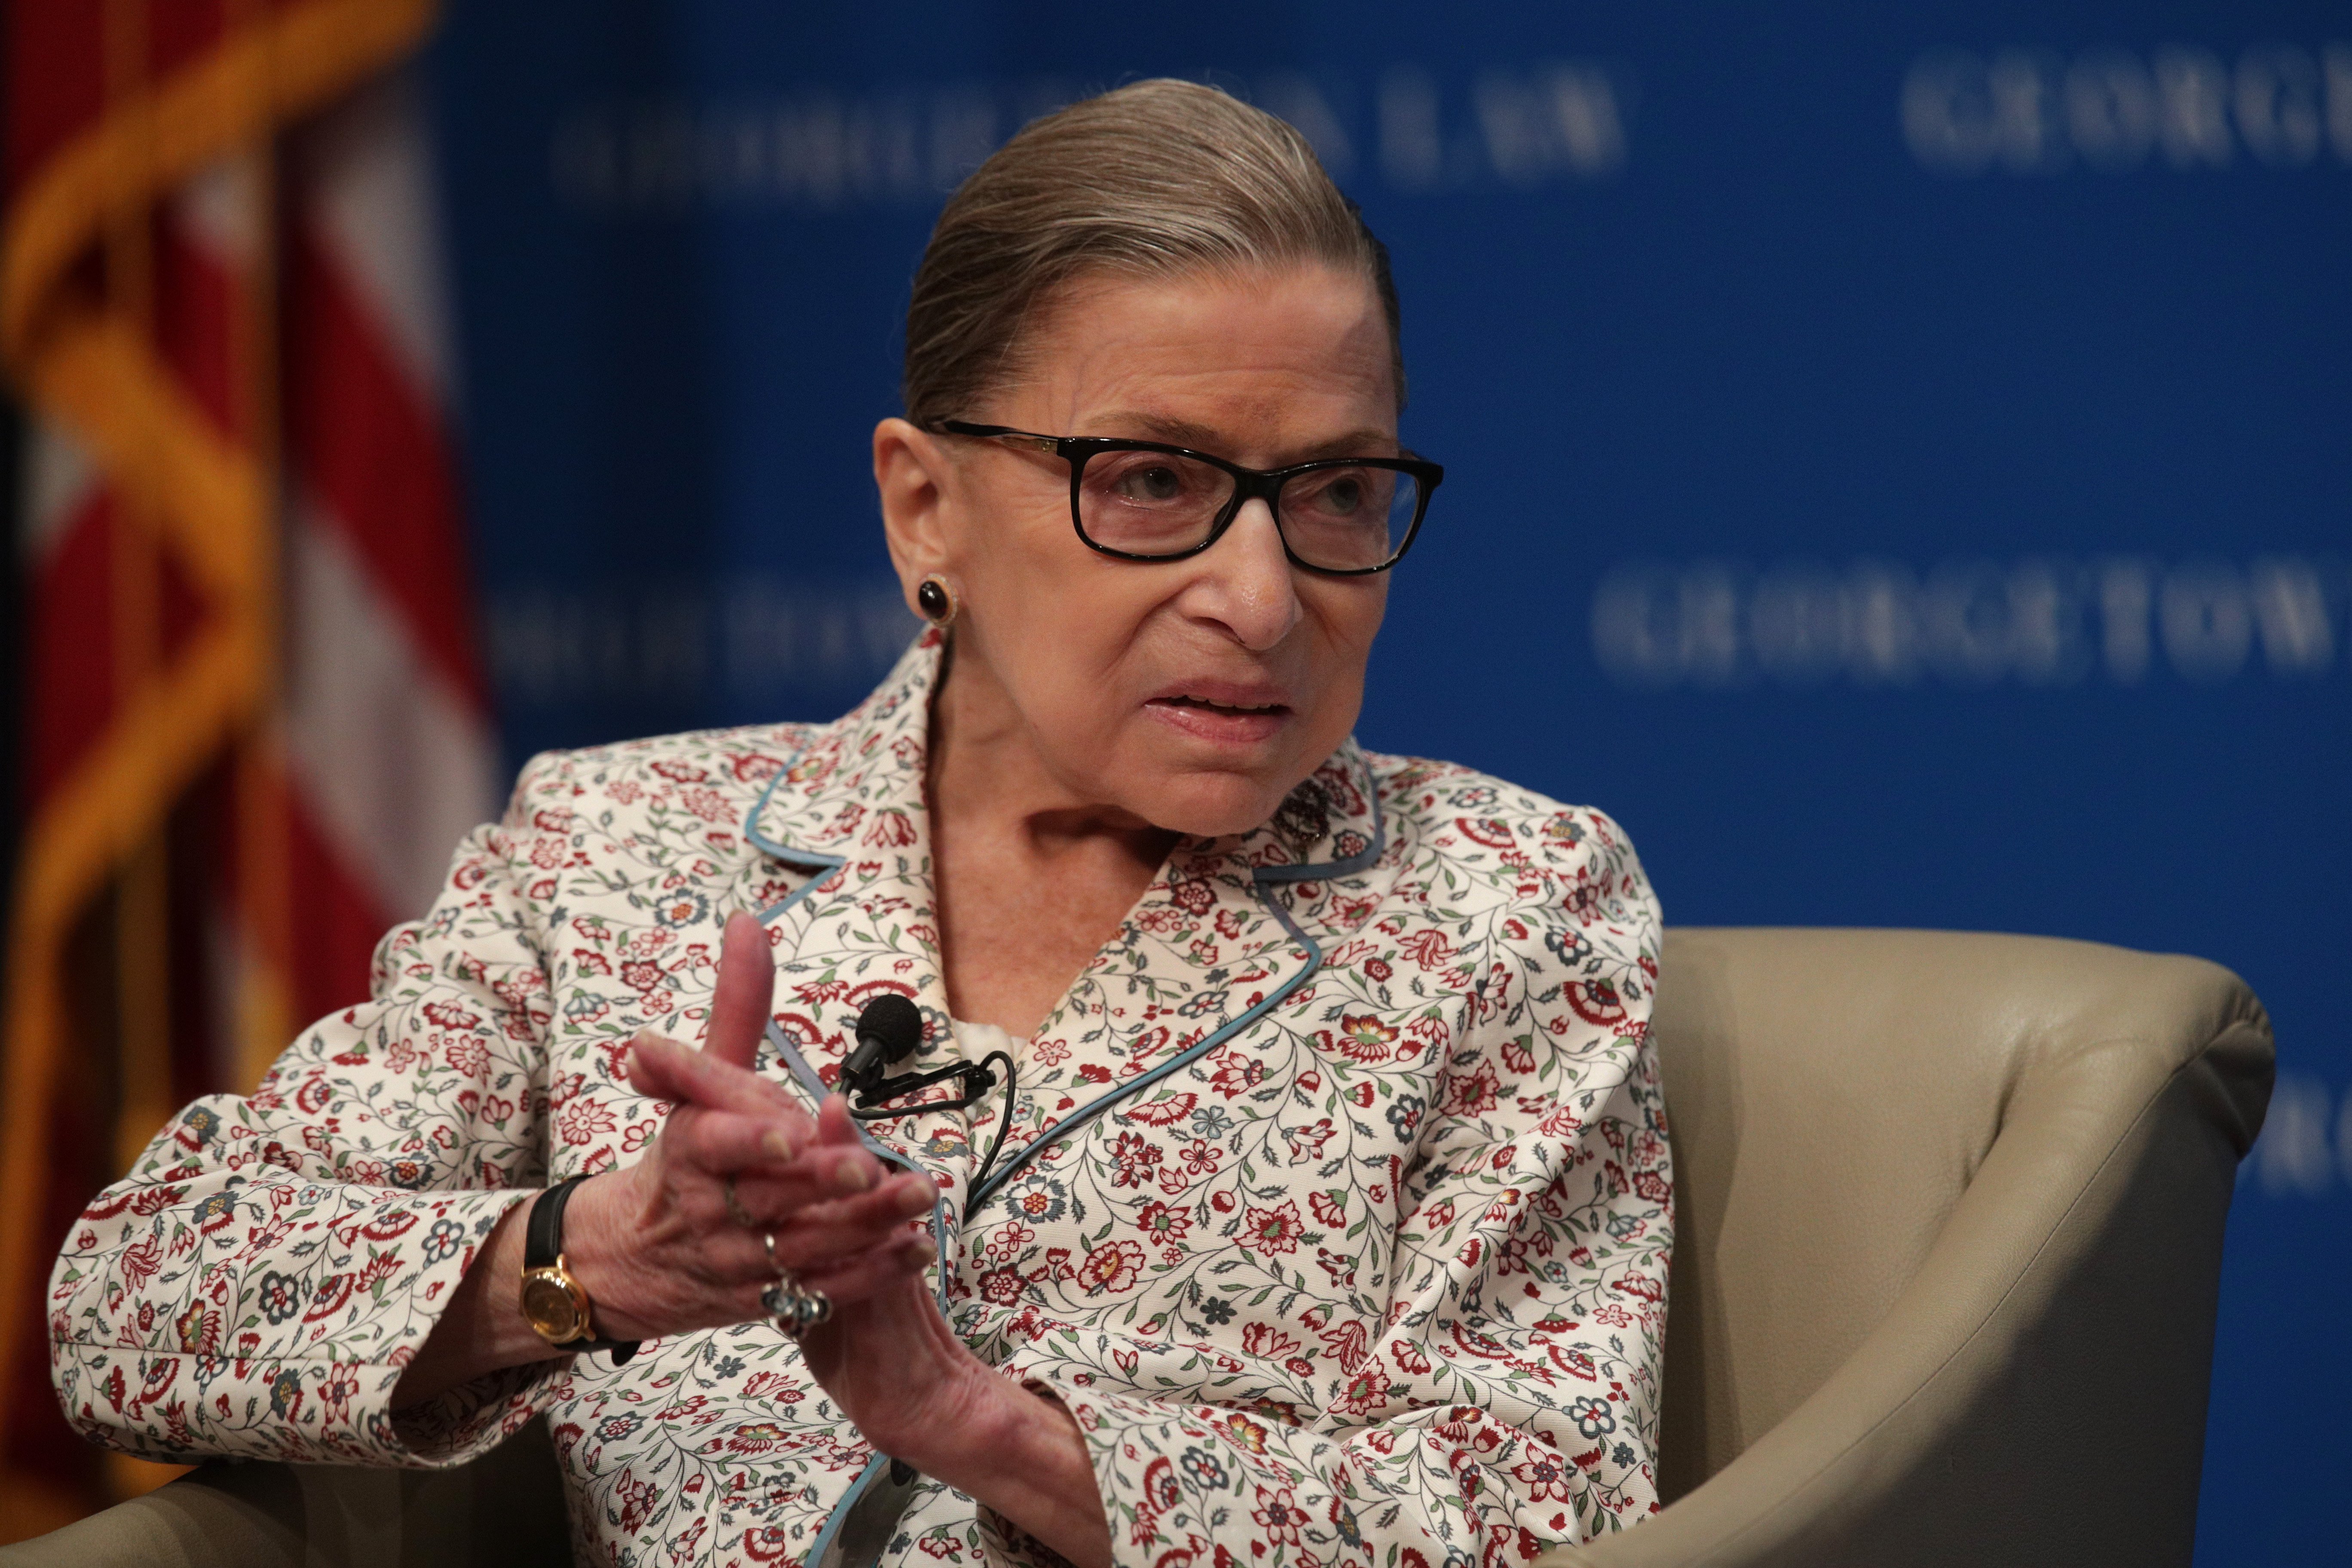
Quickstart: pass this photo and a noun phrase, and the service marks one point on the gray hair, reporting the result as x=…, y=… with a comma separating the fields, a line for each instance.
x=1156, y=179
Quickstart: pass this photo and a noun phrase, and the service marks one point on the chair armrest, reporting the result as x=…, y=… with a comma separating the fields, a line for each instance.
x=504, y=1510
x=2036, y=1394
x=220, y=1515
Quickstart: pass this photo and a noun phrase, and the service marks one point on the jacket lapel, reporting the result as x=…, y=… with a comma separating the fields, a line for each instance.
x=1230, y=928
x=1227, y=930
x=844, y=882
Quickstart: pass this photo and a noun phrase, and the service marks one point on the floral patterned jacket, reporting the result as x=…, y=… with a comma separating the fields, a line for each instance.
x=1335, y=1204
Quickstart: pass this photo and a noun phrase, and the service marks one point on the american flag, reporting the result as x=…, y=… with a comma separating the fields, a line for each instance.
x=256, y=722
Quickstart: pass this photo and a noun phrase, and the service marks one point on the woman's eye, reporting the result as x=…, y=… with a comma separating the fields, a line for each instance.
x=1158, y=482
x=1339, y=496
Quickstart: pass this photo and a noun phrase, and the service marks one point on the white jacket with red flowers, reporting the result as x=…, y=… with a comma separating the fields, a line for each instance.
x=1335, y=1204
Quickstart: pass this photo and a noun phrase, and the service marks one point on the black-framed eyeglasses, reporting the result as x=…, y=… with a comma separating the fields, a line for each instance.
x=1145, y=500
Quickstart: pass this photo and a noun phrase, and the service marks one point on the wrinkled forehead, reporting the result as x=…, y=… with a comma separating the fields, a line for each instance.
x=1278, y=354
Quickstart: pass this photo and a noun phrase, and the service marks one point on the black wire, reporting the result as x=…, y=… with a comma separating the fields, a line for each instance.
x=1004, y=1126
x=892, y=1088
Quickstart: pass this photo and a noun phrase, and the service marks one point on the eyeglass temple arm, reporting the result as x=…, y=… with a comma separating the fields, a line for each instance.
x=999, y=433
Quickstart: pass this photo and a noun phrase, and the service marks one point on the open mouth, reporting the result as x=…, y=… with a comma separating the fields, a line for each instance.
x=1202, y=703
x=1223, y=713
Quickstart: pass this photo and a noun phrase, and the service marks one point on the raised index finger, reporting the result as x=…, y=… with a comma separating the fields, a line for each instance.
x=740, y=1001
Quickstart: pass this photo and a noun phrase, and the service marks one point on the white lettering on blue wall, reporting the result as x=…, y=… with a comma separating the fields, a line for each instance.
x=1514, y=127
x=1973, y=622
x=2027, y=110
x=2306, y=1148
x=750, y=638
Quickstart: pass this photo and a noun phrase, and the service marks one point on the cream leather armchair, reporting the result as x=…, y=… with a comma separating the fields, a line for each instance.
x=1950, y=1214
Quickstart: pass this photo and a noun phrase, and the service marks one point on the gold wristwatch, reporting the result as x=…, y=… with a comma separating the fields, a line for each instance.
x=553, y=1300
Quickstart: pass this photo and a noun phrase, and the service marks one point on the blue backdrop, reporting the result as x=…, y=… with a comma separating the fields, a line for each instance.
x=1901, y=455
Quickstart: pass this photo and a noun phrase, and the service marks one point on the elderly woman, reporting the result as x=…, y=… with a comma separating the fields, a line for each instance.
x=1265, y=1164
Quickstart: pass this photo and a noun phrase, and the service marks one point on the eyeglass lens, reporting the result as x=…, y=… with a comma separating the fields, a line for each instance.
x=1344, y=519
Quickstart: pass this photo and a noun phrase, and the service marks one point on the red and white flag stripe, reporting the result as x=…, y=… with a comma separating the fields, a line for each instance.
x=391, y=750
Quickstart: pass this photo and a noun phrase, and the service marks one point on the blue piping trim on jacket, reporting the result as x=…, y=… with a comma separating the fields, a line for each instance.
x=832, y=1526
x=798, y=1064
x=820, y=866
x=1073, y=1123
x=1262, y=879
x=823, y=866
x=761, y=841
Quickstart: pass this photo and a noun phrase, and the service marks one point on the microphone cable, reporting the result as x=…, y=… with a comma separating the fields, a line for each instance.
x=890, y=1027
x=1003, y=1125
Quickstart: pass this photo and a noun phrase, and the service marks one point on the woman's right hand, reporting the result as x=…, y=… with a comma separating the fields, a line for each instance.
x=655, y=1243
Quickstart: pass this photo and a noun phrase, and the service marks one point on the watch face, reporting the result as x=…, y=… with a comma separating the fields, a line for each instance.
x=551, y=1305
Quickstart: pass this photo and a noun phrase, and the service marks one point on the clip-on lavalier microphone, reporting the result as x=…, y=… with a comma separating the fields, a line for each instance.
x=890, y=1027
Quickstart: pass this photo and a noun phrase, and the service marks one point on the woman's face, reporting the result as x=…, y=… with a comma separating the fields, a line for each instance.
x=1193, y=694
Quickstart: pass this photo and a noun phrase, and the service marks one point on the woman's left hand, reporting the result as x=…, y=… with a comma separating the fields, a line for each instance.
x=897, y=1370
x=913, y=1389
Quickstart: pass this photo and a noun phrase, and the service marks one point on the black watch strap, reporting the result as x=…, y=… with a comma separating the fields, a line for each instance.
x=542, y=1245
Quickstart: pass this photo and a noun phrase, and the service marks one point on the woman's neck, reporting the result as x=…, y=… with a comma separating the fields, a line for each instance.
x=1031, y=880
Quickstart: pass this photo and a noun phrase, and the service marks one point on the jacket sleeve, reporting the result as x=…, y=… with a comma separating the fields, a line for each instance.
x=258, y=1283
x=1508, y=1402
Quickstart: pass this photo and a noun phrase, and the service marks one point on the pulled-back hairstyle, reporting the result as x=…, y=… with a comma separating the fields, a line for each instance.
x=1156, y=179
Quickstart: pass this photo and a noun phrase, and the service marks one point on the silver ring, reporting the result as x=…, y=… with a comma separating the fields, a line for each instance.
x=794, y=1307
x=735, y=1210
x=768, y=1241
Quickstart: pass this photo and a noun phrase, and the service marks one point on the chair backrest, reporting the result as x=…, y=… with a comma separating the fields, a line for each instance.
x=1835, y=1097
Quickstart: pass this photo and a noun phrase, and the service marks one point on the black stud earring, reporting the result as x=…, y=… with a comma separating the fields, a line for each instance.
x=935, y=600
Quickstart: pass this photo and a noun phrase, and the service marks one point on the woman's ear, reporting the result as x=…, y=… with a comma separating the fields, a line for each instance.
x=911, y=477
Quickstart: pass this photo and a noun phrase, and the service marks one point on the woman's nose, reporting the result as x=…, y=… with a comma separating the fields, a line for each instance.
x=1245, y=583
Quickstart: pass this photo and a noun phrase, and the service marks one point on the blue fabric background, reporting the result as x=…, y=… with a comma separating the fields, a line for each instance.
x=1897, y=455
